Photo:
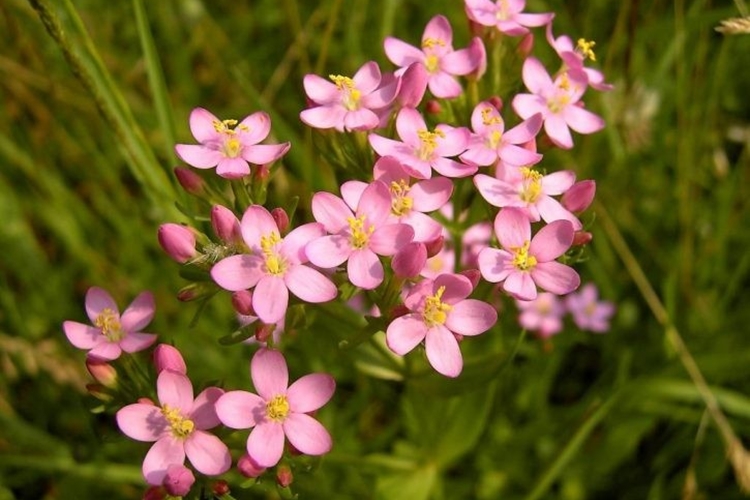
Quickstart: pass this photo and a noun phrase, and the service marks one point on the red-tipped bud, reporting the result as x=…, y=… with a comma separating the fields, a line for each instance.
x=581, y=238
x=226, y=225
x=284, y=476
x=103, y=372
x=248, y=467
x=435, y=246
x=261, y=173
x=526, y=45
x=497, y=102
x=190, y=181
x=473, y=275
x=179, y=480
x=155, y=493
x=413, y=86
x=579, y=197
x=410, y=260
x=282, y=219
x=177, y=241
x=263, y=331
x=167, y=357
x=220, y=488
x=433, y=107
x=458, y=336
x=242, y=301
x=478, y=58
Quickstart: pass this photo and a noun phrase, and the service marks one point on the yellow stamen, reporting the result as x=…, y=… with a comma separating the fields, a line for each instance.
x=109, y=323
x=429, y=43
x=521, y=258
x=351, y=95
x=494, y=140
x=401, y=202
x=232, y=147
x=586, y=48
x=432, y=63
x=488, y=119
x=278, y=408
x=532, y=185
x=435, y=310
x=275, y=263
x=360, y=235
x=429, y=143
x=181, y=427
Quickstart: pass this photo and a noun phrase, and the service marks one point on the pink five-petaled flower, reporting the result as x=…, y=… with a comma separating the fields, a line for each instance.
x=557, y=101
x=529, y=190
x=506, y=15
x=357, y=237
x=178, y=426
x=437, y=56
x=440, y=310
x=274, y=266
x=490, y=142
x=278, y=410
x=524, y=263
x=420, y=149
x=229, y=146
x=589, y=313
x=112, y=333
x=543, y=315
x=348, y=103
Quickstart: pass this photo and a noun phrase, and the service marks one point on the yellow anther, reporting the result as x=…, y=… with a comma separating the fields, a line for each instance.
x=429, y=43
x=351, y=95
x=224, y=126
x=181, y=427
x=360, y=235
x=429, y=143
x=435, y=310
x=557, y=103
x=488, y=119
x=532, y=185
x=278, y=408
x=342, y=81
x=521, y=258
x=564, y=82
x=109, y=323
x=586, y=48
x=268, y=242
x=274, y=263
x=401, y=201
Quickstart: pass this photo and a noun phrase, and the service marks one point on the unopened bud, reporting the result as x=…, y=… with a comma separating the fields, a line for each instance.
x=398, y=311
x=473, y=275
x=409, y=260
x=179, y=480
x=579, y=197
x=167, y=357
x=249, y=467
x=433, y=107
x=194, y=291
x=220, y=488
x=261, y=172
x=284, y=476
x=458, y=336
x=177, y=241
x=103, y=372
x=242, y=301
x=145, y=401
x=282, y=219
x=435, y=246
x=581, y=238
x=497, y=102
x=226, y=225
x=189, y=180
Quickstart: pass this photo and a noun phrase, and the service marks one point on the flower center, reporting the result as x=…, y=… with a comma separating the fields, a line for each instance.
x=561, y=98
x=275, y=263
x=109, y=323
x=532, y=185
x=502, y=10
x=521, y=258
x=428, y=143
x=360, y=234
x=181, y=427
x=232, y=145
x=350, y=95
x=586, y=48
x=493, y=141
x=435, y=310
x=278, y=408
x=401, y=202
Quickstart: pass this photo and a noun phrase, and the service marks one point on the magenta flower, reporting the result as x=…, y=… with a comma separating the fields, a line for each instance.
x=275, y=266
x=229, y=146
x=278, y=410
x=573, y=57
x=589, y=313
x=177, y=427
x=523, y=263
x=506, y=15
x=557, y=101
x=111, y=333
x=177, y=241
x=357, y=237
x=529, y=190
x=420, y=149
x=543, y=315
x=348, y=103
x=440, y=311
x=437, y=56
x=490, y=142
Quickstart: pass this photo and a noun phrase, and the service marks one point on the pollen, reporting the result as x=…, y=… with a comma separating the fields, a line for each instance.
x=488, y=119
x=360, y=234
x=435, y=310
x=430, y=43
x=180, y=426
x=275, y=264
x=225, y=126
x=401, y=202
x=350, y=94
x=428, y=143
x=521, y=258
x=532, y=185
x=277, y=408
x=108, y=321
x=586, y=48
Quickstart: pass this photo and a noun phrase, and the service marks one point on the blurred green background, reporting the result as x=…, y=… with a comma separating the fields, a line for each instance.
x=86, y=160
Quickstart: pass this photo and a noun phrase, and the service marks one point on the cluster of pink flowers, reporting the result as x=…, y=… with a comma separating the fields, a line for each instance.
x=413, y=239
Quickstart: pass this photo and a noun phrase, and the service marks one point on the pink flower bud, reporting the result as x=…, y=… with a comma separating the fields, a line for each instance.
x=433, y=107
x=242, y=301
x=155, y=493
x=261, y=172
x=220, y=488
x=282, y=219
x=226, y=225
x=189, y=180
x=473, y=275
x=179, y=480
x=497, y=102
x=526, y=45
x=167, y=357
x=410, y=260
x=248, y=467
x=177, y=241
x=581, y=238
x=579, y=197
x=413, y=86
x=103, y=372
x=398, y=311
x=435, y=246
x=284, y=476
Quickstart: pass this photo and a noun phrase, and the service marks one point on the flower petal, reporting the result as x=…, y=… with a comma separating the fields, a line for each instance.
x=520, y=285
x=512, y=228
x=401, y=53
x=202, y=125
x=203, y=411
x=269, y=373
x=82, y=336
x=207, y=453
x=307, y=434
x=262, y=154
x=142, y=422
x=270, y=299
x=97, y=300
x=176, y=390
x=389, y=239
x=310, y=392
x=331, y=211
x=443, y=352
x=165, y=452
x=256, y=223
x=240, y=409
x=555, y=277
x=405, y=333
x=238, y=272
x=471, y=317
x=552, y=240
x=232, y=168
x=134, y=342
x=105, y=351
x=198, y=156
x=310, y=285
x=295, y=242
x=139, y=313
x=364, y=269
x=265, y=444
x=253, y=128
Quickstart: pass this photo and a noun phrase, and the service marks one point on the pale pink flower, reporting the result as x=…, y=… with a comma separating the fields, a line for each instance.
x=275, y=266
x=506, y=15
x=359, y=237
x=110, y=333
x=228, y=145
x=543, y=315
x=530, y=191
x=177, y=427
x=346, y=103
x=589, y=313
x=523, y=262
x=439, y=309
x=475, y=239
x=420, y=149
x=278, y=410
x=441, y=263
x=490, y=141
x=573, y=57
x=437, y=56
x=557, y=101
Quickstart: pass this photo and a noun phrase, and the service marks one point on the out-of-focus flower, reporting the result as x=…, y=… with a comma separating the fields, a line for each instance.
x=506, y=15
x=542, y=315
x=588, y=312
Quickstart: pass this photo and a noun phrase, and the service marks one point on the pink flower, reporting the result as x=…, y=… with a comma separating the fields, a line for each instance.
x=523, y=263
x=589, y=313
x=111, y=334
x=420, y=149
x=440, y=311
x=229, y=146
x=529, y=190
x=178, y=480
x=357, y=237
x=437, y=56
x=178, y=426
x=274, y=266
x=490, y=142
x=557, y=101
x=348, y=103
x=506, y=15
x=278, y=410
x=542, y=315
x=573, y=57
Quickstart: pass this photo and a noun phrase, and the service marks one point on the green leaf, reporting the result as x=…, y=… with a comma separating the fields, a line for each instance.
x=414, y=485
